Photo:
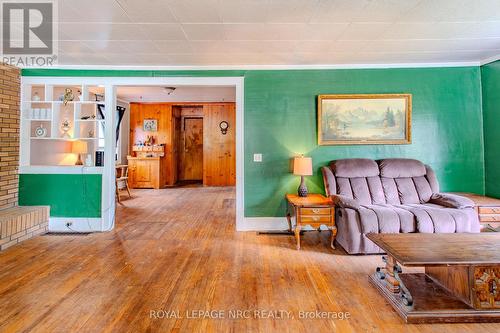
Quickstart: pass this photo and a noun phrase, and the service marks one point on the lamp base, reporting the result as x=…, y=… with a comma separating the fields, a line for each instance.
x=79, y=160
x=302, y=190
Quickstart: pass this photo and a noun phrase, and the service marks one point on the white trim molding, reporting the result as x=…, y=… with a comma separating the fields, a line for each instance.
x=78, y=224
x=263, y=224
x=266, y=67
x=490, y=59
x=62, y=169
x=270, y=224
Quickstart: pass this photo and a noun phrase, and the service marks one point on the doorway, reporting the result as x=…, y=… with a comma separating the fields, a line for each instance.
x=191, y=150
x=211, y=136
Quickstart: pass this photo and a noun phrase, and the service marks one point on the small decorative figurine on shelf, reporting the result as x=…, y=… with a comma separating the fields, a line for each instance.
x=91, y=133
x=65, y=126
x=88, y=160
x=36, y=98
x=150, y=140
x=68, y=96
x=40, y=131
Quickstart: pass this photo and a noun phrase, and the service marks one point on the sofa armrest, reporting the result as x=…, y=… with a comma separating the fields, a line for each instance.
x=451, y=200
x=345, y=202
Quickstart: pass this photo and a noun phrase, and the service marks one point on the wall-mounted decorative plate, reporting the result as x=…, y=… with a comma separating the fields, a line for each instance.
x=40, y=131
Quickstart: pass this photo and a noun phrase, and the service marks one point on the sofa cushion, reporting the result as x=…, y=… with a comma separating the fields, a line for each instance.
x=329, y=181
x=407, y=191
x=432, y=218
x=345, y=202
x=451, y=200
x=401, y=168
x=386, y=219
x=354, y=167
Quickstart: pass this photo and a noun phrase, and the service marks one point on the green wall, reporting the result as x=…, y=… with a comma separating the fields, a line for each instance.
x=67, y=195
x=280, y=122
x=490, y=75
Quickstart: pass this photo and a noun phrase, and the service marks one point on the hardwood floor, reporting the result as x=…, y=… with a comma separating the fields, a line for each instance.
x=176, y=250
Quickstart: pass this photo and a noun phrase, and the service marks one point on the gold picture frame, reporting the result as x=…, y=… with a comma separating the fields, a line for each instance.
x=364, y=119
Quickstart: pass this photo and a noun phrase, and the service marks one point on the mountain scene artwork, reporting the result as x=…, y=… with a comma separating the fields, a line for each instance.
x=364, y=119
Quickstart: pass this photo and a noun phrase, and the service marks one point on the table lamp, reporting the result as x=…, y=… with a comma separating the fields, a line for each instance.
x=79, y=147
x=302, y=166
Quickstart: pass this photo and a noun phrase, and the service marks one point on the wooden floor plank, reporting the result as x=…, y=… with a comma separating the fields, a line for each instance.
x=177, y=249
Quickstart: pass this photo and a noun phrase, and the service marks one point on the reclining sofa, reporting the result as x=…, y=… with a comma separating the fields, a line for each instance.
x=391, y=196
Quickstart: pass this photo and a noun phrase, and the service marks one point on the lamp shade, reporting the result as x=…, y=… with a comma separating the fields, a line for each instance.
x=302, y=166
x=79, y=147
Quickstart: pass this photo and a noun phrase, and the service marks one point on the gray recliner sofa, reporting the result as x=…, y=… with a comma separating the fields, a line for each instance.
x=391, y=196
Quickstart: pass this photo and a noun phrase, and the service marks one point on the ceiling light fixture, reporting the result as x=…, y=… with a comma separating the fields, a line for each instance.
x=169, y=90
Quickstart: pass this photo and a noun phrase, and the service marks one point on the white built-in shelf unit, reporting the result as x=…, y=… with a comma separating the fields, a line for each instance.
x=49, y=126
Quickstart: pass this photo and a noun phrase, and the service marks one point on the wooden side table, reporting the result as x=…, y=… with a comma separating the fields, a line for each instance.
x=488, y=210
x=314, y=210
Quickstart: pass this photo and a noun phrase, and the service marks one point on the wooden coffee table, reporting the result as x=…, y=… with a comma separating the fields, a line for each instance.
x=461, y=282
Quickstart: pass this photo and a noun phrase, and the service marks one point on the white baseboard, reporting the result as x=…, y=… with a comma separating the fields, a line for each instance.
x=262, y=224
x=78, y=224
x=268, y=224
x=83, y=224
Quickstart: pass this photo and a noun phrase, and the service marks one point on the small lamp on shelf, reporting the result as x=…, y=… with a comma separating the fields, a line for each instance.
x=302, y=166
x=79, y=148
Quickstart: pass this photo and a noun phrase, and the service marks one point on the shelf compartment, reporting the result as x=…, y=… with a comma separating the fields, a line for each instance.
x=34, y=125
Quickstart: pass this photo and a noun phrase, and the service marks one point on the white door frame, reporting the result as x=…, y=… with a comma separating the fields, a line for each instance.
x=110, y=84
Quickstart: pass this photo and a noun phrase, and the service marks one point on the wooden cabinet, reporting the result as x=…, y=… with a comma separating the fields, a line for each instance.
x=488, y=210
x=144, y=172
x=314, y=210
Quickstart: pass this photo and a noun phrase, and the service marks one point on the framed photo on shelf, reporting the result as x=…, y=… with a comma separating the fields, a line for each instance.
x=150, y=125
x=364, y=119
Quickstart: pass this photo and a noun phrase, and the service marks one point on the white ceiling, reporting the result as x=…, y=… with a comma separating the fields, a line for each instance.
x=180, y=94
x=276, y=32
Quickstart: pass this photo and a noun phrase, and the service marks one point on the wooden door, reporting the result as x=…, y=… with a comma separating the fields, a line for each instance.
x=219, y=148
x=176, y=142
x=191, y=161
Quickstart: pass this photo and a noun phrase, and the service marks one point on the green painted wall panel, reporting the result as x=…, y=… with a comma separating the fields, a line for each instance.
x=67, y=195
x=490, y=75
x=280, y=122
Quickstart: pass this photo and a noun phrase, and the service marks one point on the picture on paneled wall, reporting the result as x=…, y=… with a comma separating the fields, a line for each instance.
x=150, y=125
x=364, y=119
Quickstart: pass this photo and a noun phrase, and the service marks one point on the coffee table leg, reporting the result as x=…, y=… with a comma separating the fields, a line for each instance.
x=393, y=280
x=405, y=293
x=297, y=235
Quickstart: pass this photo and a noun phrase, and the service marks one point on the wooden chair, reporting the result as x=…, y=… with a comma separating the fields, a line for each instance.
x=122, y=180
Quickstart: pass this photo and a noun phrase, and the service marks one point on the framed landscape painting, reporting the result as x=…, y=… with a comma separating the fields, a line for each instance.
x=364, y=119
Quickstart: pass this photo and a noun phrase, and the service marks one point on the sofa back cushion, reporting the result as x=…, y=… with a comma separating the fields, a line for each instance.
x=392, y=181
x=405, y=181
x=358, y=178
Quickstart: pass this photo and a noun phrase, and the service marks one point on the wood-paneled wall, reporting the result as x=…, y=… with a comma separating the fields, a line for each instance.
x=219, y=156
x=219, y=150
x=163, y=113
